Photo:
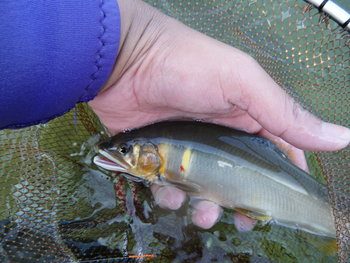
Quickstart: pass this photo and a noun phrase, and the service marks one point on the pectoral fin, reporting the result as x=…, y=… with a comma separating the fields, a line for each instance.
x=134, y=178
x=259, y=215
x=187, y=187
x=183, y=185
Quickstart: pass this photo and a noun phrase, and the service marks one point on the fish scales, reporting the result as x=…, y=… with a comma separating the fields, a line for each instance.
x=238, y=184
x=232, y=168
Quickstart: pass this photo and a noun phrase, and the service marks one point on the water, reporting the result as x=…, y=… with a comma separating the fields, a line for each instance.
x=121, y=219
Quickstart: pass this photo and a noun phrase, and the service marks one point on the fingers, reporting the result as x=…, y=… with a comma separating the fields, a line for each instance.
x=243, y=223
x=296, y=155
x=279, y=114
x=205, y=214
x=246, y=123
x=168, y=196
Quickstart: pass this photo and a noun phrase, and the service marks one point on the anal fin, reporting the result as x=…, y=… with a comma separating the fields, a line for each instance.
x=253, y=214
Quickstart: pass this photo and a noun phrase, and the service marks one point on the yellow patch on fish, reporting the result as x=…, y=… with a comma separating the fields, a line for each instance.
x=185, y=163
x=252, y=214
x=163, y=151
x=330, y=249
x=286, y=149
x=326, y=245
x=136, y=151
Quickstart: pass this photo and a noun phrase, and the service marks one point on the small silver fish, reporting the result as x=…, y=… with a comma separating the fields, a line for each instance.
x=229, y=167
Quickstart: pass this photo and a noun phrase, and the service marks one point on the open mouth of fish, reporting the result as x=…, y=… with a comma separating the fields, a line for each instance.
x=108, y=162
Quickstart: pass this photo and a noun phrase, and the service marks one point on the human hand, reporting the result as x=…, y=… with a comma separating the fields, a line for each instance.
x=166, y=70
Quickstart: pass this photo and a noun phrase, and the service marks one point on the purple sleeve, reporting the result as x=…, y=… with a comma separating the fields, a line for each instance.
x=53, y=54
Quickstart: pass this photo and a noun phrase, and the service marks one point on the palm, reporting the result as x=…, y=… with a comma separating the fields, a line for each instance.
x=201, y=78
x=176, y=86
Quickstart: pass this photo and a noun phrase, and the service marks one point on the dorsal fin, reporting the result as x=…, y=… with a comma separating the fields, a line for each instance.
x=268, y=152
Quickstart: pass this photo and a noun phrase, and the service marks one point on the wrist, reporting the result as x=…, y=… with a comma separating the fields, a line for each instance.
x=141, y=27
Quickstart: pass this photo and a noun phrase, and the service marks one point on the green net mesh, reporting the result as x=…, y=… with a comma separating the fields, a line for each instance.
x=56, y=206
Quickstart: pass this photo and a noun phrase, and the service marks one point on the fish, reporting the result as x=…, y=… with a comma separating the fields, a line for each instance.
x=232, y=168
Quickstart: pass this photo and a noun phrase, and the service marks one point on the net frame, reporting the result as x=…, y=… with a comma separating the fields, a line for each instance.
x=334, y=11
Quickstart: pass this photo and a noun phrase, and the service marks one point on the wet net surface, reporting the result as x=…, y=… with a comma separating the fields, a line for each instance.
x=56, y=206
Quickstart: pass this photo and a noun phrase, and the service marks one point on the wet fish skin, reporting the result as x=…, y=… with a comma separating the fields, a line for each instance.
x=236, y=170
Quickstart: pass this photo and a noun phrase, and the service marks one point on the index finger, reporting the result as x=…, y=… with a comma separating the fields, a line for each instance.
x=279, y=114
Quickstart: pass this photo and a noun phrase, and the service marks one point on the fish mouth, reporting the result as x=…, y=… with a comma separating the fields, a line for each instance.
x=109, y=162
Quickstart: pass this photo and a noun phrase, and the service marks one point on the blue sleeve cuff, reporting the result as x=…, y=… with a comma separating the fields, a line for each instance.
x=54, y=54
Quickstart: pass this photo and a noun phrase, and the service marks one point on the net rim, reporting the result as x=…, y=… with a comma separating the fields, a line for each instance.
x=334, y=11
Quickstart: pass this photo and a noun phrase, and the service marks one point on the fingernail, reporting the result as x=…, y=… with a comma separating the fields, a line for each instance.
x=337, y=134
x=160, y=197
x=206, y=214
x=169, y=198
x=243, y=223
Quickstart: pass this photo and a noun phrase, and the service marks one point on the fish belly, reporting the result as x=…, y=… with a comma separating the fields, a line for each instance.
x=240, y=184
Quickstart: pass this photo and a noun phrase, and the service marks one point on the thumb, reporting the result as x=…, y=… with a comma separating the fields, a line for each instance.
x=279, y=114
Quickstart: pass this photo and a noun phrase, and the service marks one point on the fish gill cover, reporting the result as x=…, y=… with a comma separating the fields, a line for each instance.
x=55, y=206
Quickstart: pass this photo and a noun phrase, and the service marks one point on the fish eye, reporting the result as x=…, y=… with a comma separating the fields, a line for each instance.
x=123, y=149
